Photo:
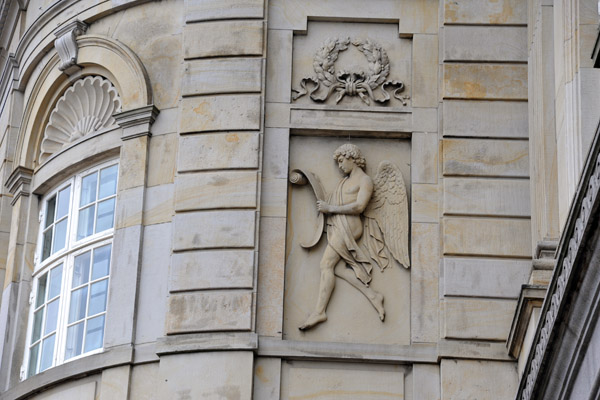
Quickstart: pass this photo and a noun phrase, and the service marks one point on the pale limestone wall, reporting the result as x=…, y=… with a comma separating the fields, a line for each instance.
x=209, y=226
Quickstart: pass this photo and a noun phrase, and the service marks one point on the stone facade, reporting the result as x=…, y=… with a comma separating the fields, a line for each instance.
x=233, y=226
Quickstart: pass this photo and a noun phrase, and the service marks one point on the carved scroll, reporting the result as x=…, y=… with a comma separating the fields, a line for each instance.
x=303, y=177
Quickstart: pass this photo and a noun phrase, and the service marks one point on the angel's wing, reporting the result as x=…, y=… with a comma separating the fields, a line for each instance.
x=386, y=222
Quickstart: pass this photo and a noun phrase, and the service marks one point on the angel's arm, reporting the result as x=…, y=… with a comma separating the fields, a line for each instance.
x=356, y=207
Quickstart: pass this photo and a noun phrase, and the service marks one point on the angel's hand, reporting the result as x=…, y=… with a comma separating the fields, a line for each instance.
x=323, y=207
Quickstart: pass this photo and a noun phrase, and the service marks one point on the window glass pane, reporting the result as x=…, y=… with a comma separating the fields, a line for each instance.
x=41, y=291
x=74, y=340
x=33, y=359
x=47, y=352
x=106, y=211
x=85, y=227
x=98, y=297
x=88, y=189
x=37, y=325
x=81, y=270
x=55, y=281
x=46, y=244
x=50, y=208
x=60, y=237
x=108, y=182
x=94, y=335
x=77, y=307
x=64, y=197
x=51, y=317
x=101, y=262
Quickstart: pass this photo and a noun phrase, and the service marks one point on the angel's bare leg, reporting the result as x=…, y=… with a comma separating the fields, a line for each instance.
x=326, y=286
x=374, y=297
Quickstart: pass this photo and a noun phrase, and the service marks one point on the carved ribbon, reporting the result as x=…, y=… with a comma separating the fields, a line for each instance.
x=303, y=177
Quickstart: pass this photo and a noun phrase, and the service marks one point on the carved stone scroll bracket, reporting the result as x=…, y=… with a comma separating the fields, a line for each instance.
x=66, y=45
x=303, y=177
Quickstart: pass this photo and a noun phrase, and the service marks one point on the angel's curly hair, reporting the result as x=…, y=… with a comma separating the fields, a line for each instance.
x=352, y=152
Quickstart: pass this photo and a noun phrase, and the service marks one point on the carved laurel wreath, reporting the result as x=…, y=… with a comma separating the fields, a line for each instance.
x=353, y=83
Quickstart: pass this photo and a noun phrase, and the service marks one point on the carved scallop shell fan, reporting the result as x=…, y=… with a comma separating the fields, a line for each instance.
x=86, y=107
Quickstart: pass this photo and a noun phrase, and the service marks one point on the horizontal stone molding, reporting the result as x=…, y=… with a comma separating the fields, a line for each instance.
x=353, y=120
x=207, y=342
x=485, y=81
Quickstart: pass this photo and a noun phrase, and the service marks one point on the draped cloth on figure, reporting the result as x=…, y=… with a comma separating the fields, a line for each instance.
x=339, y=237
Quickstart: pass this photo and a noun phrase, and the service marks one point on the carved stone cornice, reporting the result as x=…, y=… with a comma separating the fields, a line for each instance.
x=137, y=122
x=19, y=183
x=561, y=290
x=66, y=45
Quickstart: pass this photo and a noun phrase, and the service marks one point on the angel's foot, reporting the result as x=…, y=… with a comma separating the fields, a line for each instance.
x=377, y=302
x=314, y=319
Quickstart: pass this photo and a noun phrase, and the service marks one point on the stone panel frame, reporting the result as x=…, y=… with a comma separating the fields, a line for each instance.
x=419, y=124
x=102, y=56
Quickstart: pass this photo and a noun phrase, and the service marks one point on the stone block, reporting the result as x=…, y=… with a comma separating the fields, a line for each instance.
x=153, y=291
x=485, y=43
x=477, y=157
x=276, y=153
x=279, y=65
x=425, y=119
x=70, y=391
x=425, y=71
x=481, y=277
x=209, y=311
x=477, y=318
x=424, y=157
x=485, y=81
x=223, y=38
x=424, y=206
x=220, y=113
x=267, y=378
x=487, y=236
x=206, y=10
x=495, y=12
x=271, y=265
x=211, y=190
x=324, y=381
x=277, y=115
x=416, y=17
x=162, y=159
x=218, y=151
x=207, y=375
x=145, y=381
x=166, y=122
x=482, y=380
x=129, y=208
x=132, y=163
x=115, y=383
x=502, y=119
x=222, y=75
x=273, y=198
x=214, y=269
x=213, y=229
x=426, y=382
x=477, y=196
x=158, y=207
x=424, y=282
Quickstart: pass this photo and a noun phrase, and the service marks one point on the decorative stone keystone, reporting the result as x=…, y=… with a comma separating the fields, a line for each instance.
x=66, y=45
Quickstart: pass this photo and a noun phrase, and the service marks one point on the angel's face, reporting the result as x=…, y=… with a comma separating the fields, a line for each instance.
x=346, y=164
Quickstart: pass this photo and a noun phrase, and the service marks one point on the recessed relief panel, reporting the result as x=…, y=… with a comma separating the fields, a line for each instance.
x=348, y=266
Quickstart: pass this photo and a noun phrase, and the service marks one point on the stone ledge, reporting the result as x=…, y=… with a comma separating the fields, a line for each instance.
x=531, y=296
x=206, y=342
x=112, y=357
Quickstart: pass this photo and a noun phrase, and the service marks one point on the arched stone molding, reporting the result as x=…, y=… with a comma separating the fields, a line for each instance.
x=98, y=55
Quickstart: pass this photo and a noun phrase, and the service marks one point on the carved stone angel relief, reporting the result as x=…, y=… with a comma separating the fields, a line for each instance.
x=367, y=224
x=350, y=83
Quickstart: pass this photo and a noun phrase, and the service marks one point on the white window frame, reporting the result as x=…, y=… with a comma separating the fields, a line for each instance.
x=66, y=256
